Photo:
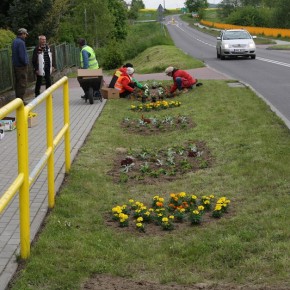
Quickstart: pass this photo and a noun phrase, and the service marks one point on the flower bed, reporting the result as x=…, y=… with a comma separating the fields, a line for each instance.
x=143, y=165
x=148, y=125
x=179, y=208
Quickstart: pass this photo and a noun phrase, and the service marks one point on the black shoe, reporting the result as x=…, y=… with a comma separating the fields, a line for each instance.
x=83, y=97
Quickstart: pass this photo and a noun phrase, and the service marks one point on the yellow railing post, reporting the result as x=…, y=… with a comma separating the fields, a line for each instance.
x=66, y=122
x=23, y=167
x=50, y=146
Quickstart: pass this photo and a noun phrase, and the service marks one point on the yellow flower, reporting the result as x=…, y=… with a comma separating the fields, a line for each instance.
x=181, y=209
x=139, y=219
x=117, y=209
x=165, y=220
x=195, y=212
x=123, y=216
x=171, y=217
x=200, y=207
x=182, y=194
x=218, y=207
x=139, y=225
x=193, y=197
x=131, y=200
x=32, y=115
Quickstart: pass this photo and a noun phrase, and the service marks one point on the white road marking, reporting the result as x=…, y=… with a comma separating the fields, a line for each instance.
x=258, y=58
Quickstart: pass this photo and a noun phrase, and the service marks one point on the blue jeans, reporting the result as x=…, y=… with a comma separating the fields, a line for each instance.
x=179, y=83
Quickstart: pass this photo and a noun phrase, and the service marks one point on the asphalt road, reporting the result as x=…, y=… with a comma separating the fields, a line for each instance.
x=268, y=74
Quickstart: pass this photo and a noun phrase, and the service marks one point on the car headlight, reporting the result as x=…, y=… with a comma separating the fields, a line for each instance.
x=226, y=46
x=251, y=45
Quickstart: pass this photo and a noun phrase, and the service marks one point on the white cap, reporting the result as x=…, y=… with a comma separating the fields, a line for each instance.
x=130, y=70
x=169, y=70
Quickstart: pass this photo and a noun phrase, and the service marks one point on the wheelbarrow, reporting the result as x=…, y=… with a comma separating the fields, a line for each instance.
x=91, y=81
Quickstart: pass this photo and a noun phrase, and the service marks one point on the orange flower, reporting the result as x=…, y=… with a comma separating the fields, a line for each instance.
x=159, y=204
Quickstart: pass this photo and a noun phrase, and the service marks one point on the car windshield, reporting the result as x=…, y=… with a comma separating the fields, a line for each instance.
x=236, y=35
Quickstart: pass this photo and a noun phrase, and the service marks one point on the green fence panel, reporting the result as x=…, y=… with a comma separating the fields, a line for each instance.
x=6, y=81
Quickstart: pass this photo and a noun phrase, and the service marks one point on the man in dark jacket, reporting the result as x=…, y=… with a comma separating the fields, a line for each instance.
x=20, y=63
x=42, y=64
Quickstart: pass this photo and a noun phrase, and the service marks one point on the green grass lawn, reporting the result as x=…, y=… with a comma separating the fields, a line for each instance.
x=248, y=246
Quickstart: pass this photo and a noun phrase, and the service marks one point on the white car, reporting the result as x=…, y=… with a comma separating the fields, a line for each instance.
x=235, y=42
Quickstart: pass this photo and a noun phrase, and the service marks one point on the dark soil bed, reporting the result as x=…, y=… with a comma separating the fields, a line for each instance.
x=165, y=164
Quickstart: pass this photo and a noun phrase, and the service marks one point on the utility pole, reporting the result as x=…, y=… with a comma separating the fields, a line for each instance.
x=85, y=12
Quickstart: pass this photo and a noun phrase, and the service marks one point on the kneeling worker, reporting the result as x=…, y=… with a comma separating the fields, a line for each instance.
x=181, y=79
x=125, y=84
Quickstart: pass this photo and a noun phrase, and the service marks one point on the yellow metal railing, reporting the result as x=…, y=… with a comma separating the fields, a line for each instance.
x=275, y=32
x=23, y=181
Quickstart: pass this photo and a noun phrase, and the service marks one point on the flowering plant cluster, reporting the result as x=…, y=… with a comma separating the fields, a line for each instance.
x=180, y=207
x=157, y=106
x=144, y=123
x=165, y=164
x=152, y=92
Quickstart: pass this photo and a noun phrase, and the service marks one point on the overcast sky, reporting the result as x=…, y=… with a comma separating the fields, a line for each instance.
x=169, y=4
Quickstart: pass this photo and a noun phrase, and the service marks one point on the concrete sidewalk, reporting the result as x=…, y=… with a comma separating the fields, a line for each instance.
x=83, y=116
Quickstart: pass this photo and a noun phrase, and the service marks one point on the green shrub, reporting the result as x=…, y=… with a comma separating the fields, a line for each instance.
x=6, y=38
x=250, y=16
x=111, y=57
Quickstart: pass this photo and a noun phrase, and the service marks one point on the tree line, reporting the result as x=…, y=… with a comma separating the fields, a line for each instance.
x=260, y=13
x=98, y=21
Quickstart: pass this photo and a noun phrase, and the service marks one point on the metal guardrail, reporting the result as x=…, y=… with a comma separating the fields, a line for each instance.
x=24, y=179
x=63, y=56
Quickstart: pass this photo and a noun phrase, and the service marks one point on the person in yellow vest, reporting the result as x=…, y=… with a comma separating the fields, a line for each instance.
x=125, y=84
x=88, y=58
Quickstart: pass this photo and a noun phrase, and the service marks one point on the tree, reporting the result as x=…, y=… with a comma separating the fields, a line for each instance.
x=195, y=5
x=28, y=14
x=93, y=21
x=282, y=14
x=138, y=4
x=227, y=7
x=118, y=9
x=4, y=7
x=51, y=24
